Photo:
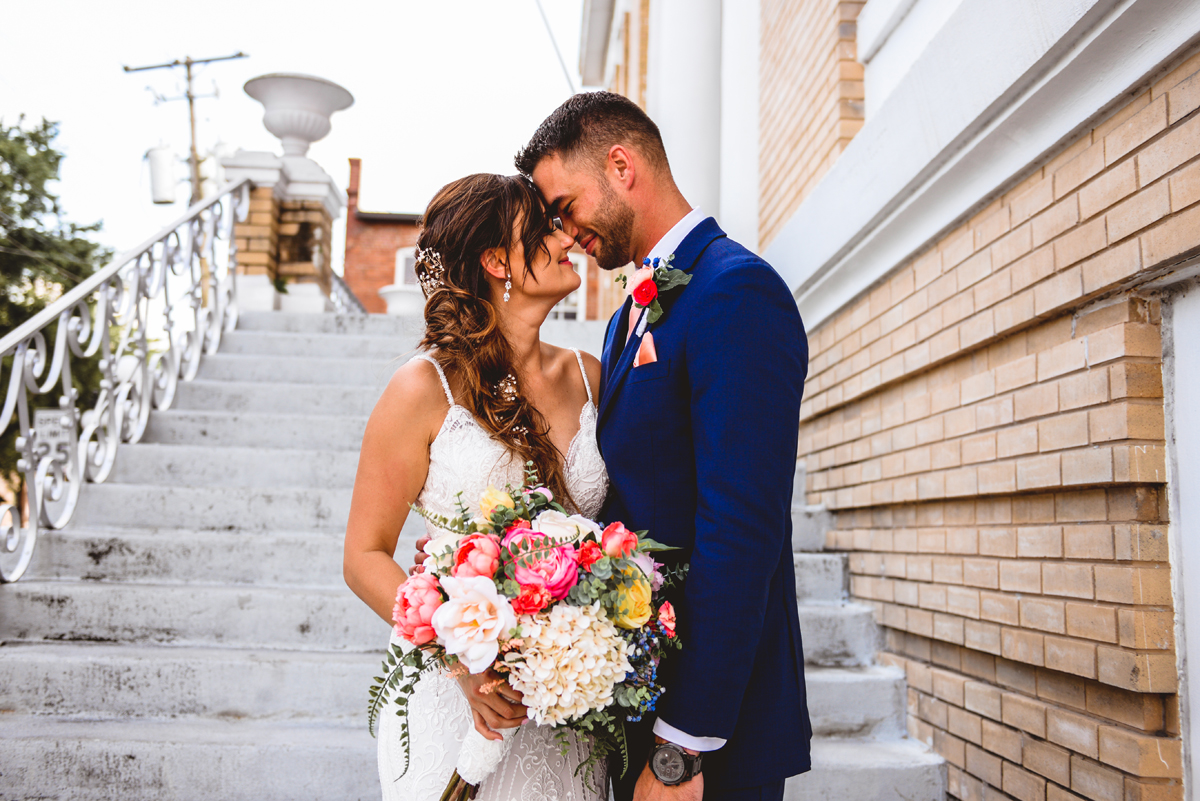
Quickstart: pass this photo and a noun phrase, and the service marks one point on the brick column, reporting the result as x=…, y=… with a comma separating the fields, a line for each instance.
x=258, y=237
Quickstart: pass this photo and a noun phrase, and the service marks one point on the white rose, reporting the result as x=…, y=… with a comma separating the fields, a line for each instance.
x=565, y=529
x=441, y=550
x=470, y=624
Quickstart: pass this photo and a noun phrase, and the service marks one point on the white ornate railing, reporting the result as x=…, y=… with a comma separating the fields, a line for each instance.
x=148, y=316
x=343, y=297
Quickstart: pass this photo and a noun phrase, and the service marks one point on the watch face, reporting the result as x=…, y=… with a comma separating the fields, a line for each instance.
x=667, y=765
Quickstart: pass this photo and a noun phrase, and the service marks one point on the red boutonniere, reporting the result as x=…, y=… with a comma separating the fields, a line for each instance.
x=651, y=280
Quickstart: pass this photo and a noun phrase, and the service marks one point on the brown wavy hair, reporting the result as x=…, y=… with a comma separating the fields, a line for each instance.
x=465, y=219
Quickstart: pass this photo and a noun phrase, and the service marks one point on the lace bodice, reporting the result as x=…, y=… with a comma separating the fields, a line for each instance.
x=464, y=457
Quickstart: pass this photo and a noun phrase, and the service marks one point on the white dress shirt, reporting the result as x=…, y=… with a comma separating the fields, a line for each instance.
x=666, y=246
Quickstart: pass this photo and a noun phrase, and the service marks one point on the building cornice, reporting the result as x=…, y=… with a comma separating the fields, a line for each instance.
x=387, y=217
x=1002, y=86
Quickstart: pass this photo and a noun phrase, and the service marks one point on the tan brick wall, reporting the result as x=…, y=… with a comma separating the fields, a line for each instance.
x=987, y=424
x=811, y=95
x=258, y=237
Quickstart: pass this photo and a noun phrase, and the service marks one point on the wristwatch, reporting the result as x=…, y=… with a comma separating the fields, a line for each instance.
x=672, y=765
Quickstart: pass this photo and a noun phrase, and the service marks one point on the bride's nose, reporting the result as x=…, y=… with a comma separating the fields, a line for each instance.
x=565, y=239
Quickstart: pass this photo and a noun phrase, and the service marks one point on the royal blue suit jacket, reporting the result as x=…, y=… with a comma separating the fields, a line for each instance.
x=700, y=447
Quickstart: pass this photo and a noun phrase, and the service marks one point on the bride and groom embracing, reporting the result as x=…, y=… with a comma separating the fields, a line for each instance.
x=686, y=426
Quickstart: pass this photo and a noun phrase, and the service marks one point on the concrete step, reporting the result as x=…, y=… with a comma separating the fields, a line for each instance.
x=179, y=556
x=203, y=466
x=896, y=770
x=856, y=702
x=838, y=635
x=344, y=346
x=377, y=325
x=311, y=618
x=256, y=430
x=251, y=509
x=101, y=681
x=810, y=524
x=298, y=369
x=233, y=760
x=259, y=397
x=821, y=576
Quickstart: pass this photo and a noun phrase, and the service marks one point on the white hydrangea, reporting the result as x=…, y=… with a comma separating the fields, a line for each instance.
x=569, y=662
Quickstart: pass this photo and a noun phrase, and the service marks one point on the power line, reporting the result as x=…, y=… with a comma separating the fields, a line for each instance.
x=553, y=41
x=187, y=63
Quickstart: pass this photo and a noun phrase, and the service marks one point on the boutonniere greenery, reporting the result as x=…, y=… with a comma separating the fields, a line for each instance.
x=651, y=280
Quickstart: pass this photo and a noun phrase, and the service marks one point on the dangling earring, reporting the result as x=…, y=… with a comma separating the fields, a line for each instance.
x=507, y=286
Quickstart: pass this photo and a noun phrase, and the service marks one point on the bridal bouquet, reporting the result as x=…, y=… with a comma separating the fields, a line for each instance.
x=566, y=611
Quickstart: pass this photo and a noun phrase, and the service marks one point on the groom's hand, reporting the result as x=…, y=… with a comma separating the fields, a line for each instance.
x=501, y=708
x=420, y=557
x=649, y=788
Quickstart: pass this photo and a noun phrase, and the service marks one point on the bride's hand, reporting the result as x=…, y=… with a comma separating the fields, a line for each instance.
x=420, y=557
x=499, y=709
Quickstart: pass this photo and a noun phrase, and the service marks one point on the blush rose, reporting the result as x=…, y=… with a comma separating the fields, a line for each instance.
x=618, y=540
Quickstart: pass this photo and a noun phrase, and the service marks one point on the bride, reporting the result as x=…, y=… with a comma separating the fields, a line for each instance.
x=485, y=396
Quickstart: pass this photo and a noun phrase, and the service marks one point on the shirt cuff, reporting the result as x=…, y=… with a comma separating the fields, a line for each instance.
x=671, y=734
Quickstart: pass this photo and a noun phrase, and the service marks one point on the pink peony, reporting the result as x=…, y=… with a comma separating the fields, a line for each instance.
x=542, y=562
x=618, y=540
x=416, y=601
x=477, y=555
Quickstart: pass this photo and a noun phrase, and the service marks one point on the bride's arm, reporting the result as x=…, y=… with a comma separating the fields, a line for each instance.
x=391, y=473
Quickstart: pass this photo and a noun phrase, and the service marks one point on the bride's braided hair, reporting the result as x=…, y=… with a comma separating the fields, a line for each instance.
x=465, y=219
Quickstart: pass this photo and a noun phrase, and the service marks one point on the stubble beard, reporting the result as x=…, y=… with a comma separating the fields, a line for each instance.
x=614, y=226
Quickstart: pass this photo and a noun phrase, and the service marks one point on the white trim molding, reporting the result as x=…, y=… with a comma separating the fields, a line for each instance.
x=1181, y=384
x=876, y=22
x=999, y=88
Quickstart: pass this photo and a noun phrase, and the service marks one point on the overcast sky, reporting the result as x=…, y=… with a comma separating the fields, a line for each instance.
x=442, y=88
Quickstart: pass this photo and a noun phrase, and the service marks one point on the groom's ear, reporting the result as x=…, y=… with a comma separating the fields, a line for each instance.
x=620, y=167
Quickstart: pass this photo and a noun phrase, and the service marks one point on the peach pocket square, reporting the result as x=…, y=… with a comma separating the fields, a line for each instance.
x=646, y=353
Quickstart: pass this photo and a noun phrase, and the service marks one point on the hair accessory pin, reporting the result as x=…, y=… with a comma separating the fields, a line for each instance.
x=430, y=270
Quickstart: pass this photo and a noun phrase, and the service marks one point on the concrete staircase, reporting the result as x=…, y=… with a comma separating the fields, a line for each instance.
x=189, y=636
x=859, y=750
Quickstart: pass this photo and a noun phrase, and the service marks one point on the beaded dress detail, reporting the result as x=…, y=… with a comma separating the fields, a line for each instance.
x=464, y=457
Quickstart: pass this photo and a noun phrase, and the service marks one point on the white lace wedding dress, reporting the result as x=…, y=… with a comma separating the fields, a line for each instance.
x=463, y=457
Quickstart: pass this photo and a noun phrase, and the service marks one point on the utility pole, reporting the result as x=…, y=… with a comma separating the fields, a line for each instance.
x=187, y=63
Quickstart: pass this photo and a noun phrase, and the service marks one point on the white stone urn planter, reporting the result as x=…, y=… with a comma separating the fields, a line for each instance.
x=298, y=107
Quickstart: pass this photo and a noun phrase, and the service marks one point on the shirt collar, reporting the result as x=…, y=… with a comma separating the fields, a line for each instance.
x=671, y=241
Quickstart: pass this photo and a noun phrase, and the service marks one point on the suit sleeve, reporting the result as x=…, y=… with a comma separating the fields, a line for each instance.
x=746, y=362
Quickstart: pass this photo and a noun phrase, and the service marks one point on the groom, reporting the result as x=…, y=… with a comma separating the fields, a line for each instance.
x=698, y=425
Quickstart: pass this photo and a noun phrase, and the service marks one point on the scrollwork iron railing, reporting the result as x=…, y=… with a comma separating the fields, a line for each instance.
x=343, y=297
x=148, y=317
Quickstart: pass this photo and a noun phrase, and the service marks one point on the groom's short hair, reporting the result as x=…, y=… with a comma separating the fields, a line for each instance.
x=587, y=125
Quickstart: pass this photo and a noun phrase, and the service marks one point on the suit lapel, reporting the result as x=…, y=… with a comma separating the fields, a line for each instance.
x=613, y=343
x=686, y=255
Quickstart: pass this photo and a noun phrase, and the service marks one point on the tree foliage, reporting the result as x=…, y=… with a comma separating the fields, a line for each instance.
x=41, y=254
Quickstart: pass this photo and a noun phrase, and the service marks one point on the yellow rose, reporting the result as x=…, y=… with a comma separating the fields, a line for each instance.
x=633, y=600
x=492, y=500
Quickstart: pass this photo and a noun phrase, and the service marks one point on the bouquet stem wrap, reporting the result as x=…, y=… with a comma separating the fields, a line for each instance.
x=478, y=758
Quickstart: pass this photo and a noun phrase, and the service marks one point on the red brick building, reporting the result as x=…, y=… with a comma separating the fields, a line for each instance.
x=373, y=240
